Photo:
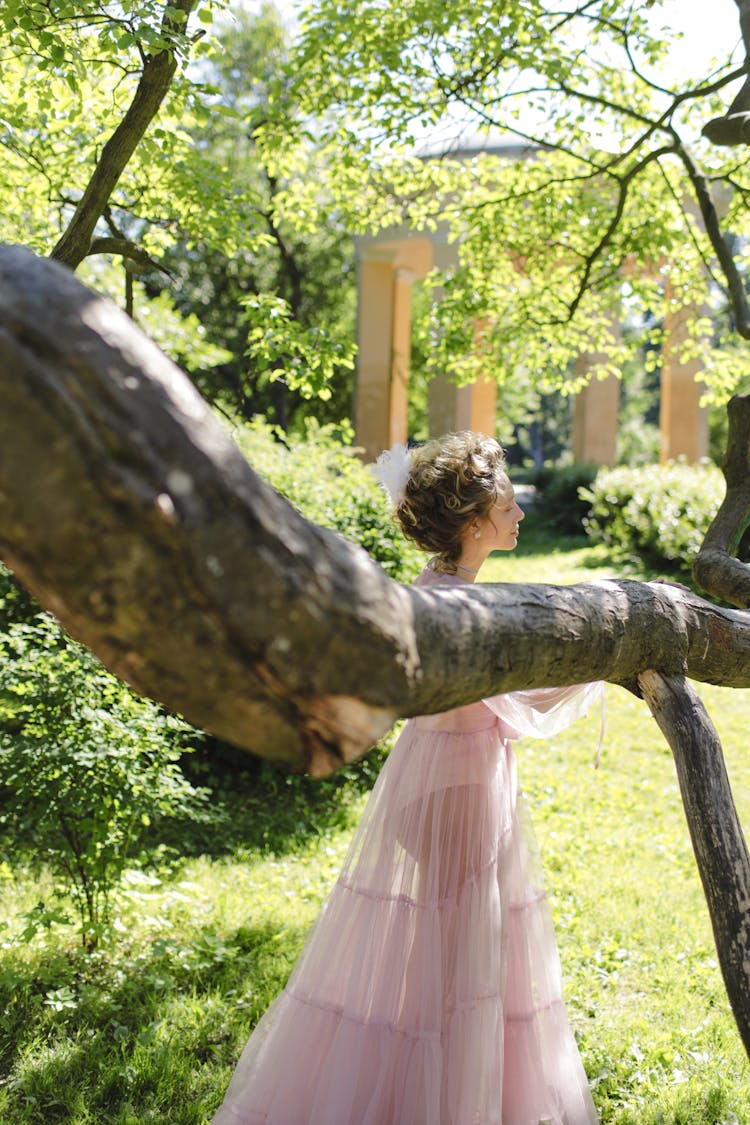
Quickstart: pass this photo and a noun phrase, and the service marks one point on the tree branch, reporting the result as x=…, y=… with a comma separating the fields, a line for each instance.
x=709, y=214
x=127, y=249
x=718, y=842
x=156, y=78
x=273, y=633
x=623, y=184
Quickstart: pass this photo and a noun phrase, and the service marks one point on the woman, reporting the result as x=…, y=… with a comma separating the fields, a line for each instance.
x=429, y=990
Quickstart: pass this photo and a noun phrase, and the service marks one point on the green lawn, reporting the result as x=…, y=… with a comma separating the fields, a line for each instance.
x=147, y=1030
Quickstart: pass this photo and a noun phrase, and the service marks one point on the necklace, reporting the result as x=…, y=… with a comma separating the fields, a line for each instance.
x=466, y=569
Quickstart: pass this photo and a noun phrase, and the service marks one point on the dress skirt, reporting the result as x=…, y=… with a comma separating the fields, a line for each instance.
x=429, y=990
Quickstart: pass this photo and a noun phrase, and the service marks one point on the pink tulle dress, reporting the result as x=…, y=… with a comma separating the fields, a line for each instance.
x=429, y=990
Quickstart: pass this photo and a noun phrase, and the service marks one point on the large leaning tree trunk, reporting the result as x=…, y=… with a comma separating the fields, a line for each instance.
x=127, y=510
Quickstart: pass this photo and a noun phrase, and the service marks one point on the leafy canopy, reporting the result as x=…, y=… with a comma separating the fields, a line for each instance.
x=192, y=212
x=596, y=205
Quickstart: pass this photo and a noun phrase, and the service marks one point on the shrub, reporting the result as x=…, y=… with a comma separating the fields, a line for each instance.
x=85, y=767
x=329, y=485
x=15, y=603
x=559, y=499
x=658, y=513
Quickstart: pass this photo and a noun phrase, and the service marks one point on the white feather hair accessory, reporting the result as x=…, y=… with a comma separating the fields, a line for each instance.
x=392, y=470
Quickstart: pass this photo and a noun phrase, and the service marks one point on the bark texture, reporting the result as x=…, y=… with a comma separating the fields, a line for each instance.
x=715, y=568
x=733, y=127
x=718, y=843
x=127, y=510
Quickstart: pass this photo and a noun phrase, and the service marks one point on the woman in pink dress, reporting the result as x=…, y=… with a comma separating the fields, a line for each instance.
x=429, y=990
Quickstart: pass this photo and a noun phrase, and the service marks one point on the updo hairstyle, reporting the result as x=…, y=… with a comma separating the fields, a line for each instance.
x=451, y=480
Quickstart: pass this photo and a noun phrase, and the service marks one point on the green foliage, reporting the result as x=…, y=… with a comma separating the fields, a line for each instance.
x=194, y=195
x=281, y=303
x=86, y=767
x=281, y=348
x=15, y=604
x=150, y=1029
x=179, y=333
x=328, y=484
x=657, y=513
x=70, y=72
x=559, y=500
x=556, y=230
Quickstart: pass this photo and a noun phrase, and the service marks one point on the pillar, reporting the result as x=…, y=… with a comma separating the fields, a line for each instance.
x=595, y=410
x=384, y=337
x=471, y=407
x=387, y=271
x=450, y=408
x=682, y=419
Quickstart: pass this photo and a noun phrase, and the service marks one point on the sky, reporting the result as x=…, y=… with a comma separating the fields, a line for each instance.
x=710, y=28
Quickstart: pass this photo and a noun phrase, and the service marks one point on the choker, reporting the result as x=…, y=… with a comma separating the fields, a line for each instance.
x=466, y=569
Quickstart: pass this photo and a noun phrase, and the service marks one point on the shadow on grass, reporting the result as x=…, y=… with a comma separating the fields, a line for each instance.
x=149, y=1039
x=263, y=808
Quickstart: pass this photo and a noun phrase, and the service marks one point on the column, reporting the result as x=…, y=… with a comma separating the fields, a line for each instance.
x=683, y=421
x=595, y=409
x=384, y=334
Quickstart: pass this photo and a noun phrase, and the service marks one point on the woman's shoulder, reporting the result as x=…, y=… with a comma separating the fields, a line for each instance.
x=430, y=576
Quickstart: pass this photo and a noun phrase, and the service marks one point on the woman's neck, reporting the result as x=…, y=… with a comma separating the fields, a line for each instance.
x=466, y=571
x=469, y=562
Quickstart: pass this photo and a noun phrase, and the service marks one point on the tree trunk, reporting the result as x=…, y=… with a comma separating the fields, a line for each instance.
x=718, y=843
x=156, y=78
x=715, y=568
x=127, y=510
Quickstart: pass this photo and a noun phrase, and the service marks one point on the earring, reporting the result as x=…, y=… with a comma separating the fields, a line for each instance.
x=477, y=534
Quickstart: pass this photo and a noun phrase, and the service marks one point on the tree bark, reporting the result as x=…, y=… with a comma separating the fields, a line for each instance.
x=127, y=510
x=733, y=127
x=156, y=78
x=718, y=842
x=715, y=568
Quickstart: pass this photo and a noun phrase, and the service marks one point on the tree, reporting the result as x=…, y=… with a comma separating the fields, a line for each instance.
x=126, y=509
x=197, y=584
x=619, y=194
x=85, y=767
x=75, y=73
x=278, y=275
x=177, y=191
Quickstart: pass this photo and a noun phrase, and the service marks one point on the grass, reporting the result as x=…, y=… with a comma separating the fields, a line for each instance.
x=148, y=1029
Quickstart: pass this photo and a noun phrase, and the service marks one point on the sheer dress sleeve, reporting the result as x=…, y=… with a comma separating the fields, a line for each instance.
x=543, y=712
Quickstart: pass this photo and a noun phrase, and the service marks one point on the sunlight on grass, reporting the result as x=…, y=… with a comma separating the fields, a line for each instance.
x=149, y=1029
x=644, y=987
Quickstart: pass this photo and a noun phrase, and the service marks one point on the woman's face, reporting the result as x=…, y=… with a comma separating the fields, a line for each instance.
x=500, y=526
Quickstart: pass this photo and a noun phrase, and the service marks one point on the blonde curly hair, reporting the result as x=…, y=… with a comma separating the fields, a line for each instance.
x=451, y=480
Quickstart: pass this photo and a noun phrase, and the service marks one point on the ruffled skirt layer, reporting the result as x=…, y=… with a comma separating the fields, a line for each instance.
x=429, y=990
